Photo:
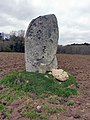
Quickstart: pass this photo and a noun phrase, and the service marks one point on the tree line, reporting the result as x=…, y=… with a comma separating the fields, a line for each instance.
x=74, y=49
x=14, y=44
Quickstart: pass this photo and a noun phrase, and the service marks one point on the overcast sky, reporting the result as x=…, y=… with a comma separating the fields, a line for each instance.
x=73, y=17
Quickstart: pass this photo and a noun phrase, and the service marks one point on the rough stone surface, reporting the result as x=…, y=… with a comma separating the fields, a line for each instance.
x=42, y=68
x=59, y=74
x=41, y=42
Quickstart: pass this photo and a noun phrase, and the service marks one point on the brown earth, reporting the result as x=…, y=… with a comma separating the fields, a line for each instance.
x=78, y=65
x=10, y=62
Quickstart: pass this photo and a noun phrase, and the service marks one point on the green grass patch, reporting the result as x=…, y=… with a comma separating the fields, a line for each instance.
x=70, y=103
x=52, y=110
x=6, y=111
x=2, y=107
x=9, y=94
x=32, y=115
x=46, y=111
x=39, y=84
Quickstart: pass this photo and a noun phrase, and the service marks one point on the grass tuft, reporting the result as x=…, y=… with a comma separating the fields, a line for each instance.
x=2, y=107
x=39, y=84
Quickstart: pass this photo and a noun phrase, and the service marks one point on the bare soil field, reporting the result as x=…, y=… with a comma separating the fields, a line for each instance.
x=78, y=65
x=10, y=62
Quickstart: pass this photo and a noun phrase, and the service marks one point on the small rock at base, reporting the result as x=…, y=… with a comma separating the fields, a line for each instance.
x=39, y=109
x=60, y=74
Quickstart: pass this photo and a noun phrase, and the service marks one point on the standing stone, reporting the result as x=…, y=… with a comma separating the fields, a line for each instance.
x=41, y=42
